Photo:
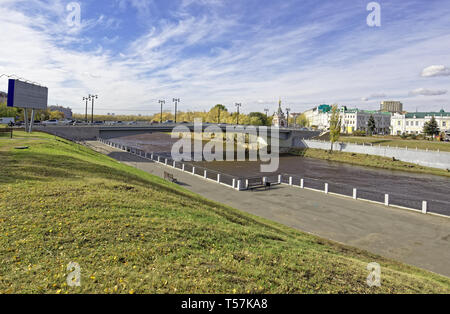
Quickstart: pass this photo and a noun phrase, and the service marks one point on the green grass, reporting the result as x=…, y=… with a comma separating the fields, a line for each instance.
x=368, y=161
x=393, y=141
x=132, y=232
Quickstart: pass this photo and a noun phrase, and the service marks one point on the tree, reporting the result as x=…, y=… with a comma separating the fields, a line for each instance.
x=371, y=125
x=335, y=125
x=431, y=127
x=217, y=110
x=257, y=118
x=302, y=121
x=56, y=115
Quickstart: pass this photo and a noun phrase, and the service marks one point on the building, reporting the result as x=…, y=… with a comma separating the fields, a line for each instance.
x=3, y=97
x=357, y=120
x=413, y=123
x=279, y=119
x=66, y=111
x=318, y=117
x=351, y=119
x=391, y=106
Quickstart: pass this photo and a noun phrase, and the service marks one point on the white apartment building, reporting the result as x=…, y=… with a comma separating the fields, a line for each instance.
x=413, y=123
x=351, y=119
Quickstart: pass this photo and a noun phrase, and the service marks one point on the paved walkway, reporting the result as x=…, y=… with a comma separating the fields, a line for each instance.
x=413, y=238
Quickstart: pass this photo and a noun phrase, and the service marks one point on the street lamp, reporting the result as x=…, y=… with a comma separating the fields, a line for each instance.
x=238, y=105
x=176, y=101
x=161, y=102
x=85, y=113
x=92, y=97
x=287, y=113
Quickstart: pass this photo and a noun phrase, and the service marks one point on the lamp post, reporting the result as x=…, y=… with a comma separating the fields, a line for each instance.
x=161, y=102
x=85, y=113
x=238, y=105
x=176, y=101
x=287, y=113
x=92, y=97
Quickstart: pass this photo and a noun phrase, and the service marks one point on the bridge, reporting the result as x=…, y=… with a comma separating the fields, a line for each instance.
x=289, y=137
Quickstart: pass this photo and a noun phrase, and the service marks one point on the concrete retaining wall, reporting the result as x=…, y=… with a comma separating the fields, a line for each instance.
x=433, y=159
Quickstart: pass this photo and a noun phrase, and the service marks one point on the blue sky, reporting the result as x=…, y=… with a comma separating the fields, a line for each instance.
x=134, y=52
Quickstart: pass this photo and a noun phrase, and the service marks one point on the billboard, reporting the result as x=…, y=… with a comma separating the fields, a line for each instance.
x=26, y=95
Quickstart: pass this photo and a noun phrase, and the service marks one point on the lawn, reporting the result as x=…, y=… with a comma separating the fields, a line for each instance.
x=393, y=141
x=368, y=161
x=132, y=232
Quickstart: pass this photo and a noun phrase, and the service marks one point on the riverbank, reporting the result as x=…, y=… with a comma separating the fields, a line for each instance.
x=132, y=232
x=368, y=160
x=393, y=141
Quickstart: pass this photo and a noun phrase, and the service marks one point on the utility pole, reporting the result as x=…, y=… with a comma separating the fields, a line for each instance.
x=176, y=101
x=238, y=105
x=287, y=113
x=161, y=102
x=92, y=97
x=85, y=113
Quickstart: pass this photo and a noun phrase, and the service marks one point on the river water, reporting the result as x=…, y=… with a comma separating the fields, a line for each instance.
x=405, y=188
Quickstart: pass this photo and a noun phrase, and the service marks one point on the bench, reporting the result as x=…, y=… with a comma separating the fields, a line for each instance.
x=169, y=177
x=7, y=130
x=257, y=183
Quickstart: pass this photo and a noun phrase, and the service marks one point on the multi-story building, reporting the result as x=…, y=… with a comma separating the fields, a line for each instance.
x=391, y=106
x=413, y=123
x=66, y=111
x=3, y=97
x=358, y=120
x=351, y=119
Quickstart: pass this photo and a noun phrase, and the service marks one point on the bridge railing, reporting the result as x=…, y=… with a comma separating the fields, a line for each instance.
x=163, y=158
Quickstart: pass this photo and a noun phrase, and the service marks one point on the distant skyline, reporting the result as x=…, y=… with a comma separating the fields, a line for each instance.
x=134, y=52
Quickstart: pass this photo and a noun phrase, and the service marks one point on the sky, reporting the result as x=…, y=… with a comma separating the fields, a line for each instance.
x=131, y=53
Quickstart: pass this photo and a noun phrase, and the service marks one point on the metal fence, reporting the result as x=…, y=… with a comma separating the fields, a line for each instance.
x=239, y=183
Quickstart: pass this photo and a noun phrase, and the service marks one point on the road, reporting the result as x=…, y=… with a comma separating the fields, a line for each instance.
x=409, y=237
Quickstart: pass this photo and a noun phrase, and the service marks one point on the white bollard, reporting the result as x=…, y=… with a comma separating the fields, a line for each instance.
x=174, y=164
x=193, y=170
x=234, y=183
x=159, y=159
x=205, y=174
x=290, y=180
x=279, y=178
x=326, y=188
x=165, y=161
x=302, y=183
x=386, y=199
x=264, y=180
x=424, y=207
x=355, y=195
x=239, y=185
x=182, y=167
x=246, y=183
x=218, y=178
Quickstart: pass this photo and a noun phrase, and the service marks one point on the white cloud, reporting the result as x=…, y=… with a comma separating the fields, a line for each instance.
x=428, y=92
x=436, y=70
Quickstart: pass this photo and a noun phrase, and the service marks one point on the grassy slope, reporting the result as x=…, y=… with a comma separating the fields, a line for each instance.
x=395, y=141
x=368, y=161
x=133, y=232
